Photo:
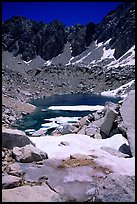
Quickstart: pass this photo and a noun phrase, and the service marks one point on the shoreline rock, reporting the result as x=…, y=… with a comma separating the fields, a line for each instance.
x=13, y=137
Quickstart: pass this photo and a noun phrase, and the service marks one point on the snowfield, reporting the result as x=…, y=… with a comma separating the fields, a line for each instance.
x=84, y=144
x=121, y=91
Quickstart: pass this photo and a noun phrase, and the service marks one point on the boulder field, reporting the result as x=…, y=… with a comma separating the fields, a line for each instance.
x=97, y=165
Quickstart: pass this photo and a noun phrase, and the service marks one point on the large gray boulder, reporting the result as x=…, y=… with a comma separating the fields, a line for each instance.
x=103, y=125
x=82, y=130
x=92, y=129
x=67, y=129
x=127, y=111
x=115, y=152
x=84, y=121
x=109, y=119
x=30, y=194
x=9, y=181
x=116, y=188
x=13, y=137
x=28, y=153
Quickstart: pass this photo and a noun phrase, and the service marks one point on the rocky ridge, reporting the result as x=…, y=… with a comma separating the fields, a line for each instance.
x=29, y=38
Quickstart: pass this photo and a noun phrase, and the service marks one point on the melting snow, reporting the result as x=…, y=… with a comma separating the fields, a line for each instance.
x=70, y=61
x=48, y=63
x=86, y=145
x=81, y=60
x=63, y=120
x=119, y=91
x=127, y=59
x=27, y=62
x=77, y=108
x=108, y=53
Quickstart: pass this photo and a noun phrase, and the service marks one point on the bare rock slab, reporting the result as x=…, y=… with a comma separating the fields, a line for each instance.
x=117, y=188
x=30, y=194
x=127, y=111
x=9, y=181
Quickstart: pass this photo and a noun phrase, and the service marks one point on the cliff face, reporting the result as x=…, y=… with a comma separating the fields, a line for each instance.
x=119, y=25
x=29, y=38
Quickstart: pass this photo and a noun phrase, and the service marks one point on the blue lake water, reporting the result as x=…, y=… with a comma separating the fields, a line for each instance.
x=35, y=119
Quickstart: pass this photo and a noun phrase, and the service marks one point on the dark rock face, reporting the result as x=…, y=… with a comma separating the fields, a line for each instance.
x=29, y=38
x=50, y=40
x=76, y=35
x=80, y=37
x=18, y=35
x=119, y=25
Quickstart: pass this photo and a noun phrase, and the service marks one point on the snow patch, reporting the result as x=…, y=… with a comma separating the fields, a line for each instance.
x=121, y=91
x=63, y=120
x=48, y=63
x=98, y=44
x=48, y=126
x=77, y=108
x=27, y=62
x=109, y=53
x=127, y=59
x=70, y=61
x=84, y=144
x=107, y=42
x=81, y=60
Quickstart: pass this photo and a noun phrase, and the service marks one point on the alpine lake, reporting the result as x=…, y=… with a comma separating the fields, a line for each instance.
x=43, y=114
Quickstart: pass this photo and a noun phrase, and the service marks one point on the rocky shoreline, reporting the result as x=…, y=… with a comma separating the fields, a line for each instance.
x=80, y=156
x=74, y=156
x=71, y=164
x=54, y=80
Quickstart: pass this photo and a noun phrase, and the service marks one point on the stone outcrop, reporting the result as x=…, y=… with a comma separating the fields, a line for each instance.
x=28, y=153
x=109, y=119
x=127, y=111
x=116, y=188
x=119, y=25
x=30, y=194
x=14, y=138
x=9, y=181
x=100, y=124
x=29, y=38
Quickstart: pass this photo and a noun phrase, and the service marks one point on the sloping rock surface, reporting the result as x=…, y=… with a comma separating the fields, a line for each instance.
x=9, y=181
x=13, y=137
x=117, y=187
x=30, y=194
x=128, y=114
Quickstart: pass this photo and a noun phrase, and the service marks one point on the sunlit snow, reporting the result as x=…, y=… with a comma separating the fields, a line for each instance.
x=48, y=63
x=63, y=120
x=119, y=91
x=27, y=62
x=77, y=108
x=84, y=144
x=127, y=59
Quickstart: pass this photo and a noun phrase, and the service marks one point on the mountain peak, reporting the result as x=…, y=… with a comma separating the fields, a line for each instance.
x=48, y=40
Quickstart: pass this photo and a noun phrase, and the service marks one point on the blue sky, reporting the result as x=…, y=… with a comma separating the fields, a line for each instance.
x=69, y=13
